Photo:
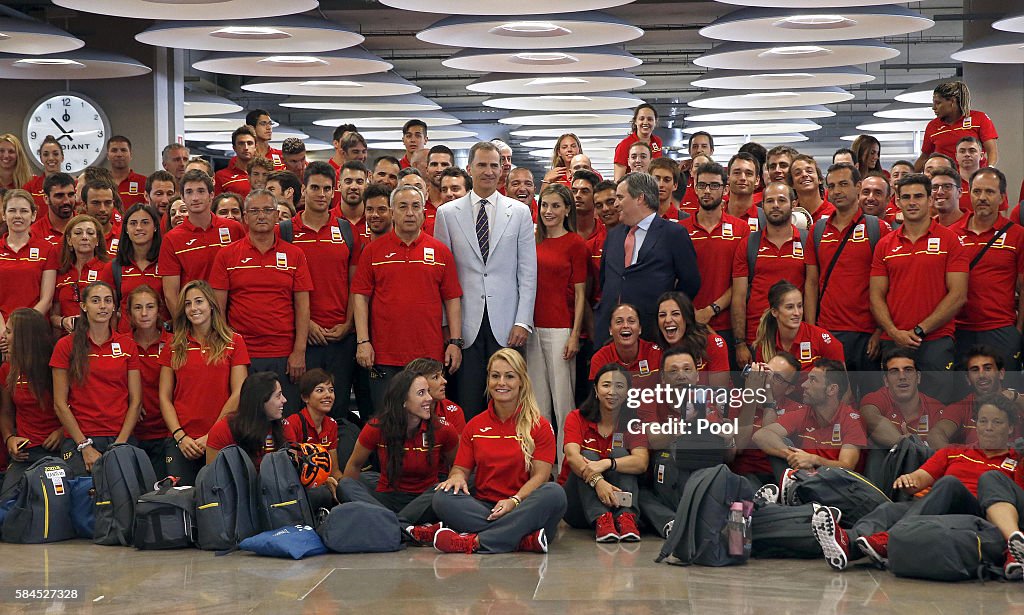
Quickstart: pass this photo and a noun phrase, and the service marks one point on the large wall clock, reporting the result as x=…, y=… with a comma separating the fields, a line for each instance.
x=76, y=121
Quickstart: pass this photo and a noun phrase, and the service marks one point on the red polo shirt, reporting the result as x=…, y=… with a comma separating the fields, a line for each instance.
x=772, y=264
x=847, y=307
x=329, y=259
x=672, y=214
x=561, y=265
x=991, y=291
x=922, y=266
x=648, y=359
x=622, y=149
x=301, y=428
x=824, y=210
x=420, y=464
x=753, y=460
x=132, y=190
x=595, y=245
x=21, y=272
x=942, y=138
x=962, y=413
x=451, y=413
x=968, y=463
x=586, y=434
x=403, y=163
x=718, y=357
x=407, y=285
x=151, y=425
x=261, y=289
x=930, y=412
x=811, y=343
x=35, y=419
x=71, y=284
x=716, y=251
x=200, y=388
x=691, y=202
x=491, y=447
x=231, y=179
x=188, y=251
x=809, y=433
x=100, y=401
x=361, y=232
x=44, y=230
x=34, y=186
x=220, y=436
x=131, y=278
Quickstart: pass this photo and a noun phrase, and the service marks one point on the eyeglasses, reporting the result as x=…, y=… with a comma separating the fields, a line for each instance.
x=265, y=211
x=714, y=187
x=778, y=378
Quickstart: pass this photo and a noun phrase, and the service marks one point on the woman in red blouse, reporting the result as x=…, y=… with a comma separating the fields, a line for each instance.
x=444, y=408
x=413, y=448
x=81, y=259
x=143, y=307
x=567, y=146
x=201, y=376
x=678, y=328
x=782, y=328
x=558, y=314
x=97, y=389
x=15, y=170
x=258, y=425
x=51, y=154
x=137, y=252
x=30, y=428
x=511, y=447
x=603, y=460
x=645, y=118
x=28, y=264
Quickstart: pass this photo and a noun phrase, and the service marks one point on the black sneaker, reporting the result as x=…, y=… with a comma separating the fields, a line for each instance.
x=767, y=494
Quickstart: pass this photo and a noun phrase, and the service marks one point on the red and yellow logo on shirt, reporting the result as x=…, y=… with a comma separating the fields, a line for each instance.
x=282, y=260
x=428, y=256
x=225, y=236
x=934, y=245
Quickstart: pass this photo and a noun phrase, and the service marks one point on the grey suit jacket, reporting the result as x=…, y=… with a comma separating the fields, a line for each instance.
x=507, y=284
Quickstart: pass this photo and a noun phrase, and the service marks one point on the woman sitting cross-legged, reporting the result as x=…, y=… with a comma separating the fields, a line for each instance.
x=512, y=506
x=413, y=446
x=603, y=460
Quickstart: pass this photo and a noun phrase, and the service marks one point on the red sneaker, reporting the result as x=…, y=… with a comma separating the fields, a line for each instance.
x=628, y=529
x=447, y=540
x=424, y=534
x=876, y=546
x=604, y=529
x=834, y=541
x=534, y=542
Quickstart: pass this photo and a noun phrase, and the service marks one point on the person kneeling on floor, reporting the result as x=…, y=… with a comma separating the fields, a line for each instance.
x=511, y=447
x=602, y=460
x=955, y=476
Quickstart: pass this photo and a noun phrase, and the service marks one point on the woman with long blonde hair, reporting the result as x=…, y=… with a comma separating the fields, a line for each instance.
x=566, y=146
x=201, y=375
x=15, y=169
x=511, y=447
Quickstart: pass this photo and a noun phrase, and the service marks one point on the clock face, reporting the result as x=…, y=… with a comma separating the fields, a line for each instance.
x=76, y=122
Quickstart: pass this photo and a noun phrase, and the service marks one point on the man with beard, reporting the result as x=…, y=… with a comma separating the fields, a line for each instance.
x=918, y=284
x=439, y=158
x=874, y=197
x=377, y=205
x=946, y=195
x=59, y=191
x=716, y=235
x=805, y=177
x=521, y=188
x=778, y=252
x=666, y=172
x=385, y=171
x=100, y=203
x=455, y=183
x=351, y=182
x=899, y=409
x=838, y=271
x=743, y=181
x=985, y=374
x=160, y=189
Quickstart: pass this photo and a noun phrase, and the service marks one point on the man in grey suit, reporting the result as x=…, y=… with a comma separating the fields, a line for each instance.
x=492, y=239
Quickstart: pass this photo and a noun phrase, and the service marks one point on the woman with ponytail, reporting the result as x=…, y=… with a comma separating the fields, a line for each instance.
x=413, y=447
x=782, y=328
x=511, y=447
x=97, y=387
x=954, y=120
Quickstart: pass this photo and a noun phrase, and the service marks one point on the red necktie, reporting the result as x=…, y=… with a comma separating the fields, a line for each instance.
x=630, y=244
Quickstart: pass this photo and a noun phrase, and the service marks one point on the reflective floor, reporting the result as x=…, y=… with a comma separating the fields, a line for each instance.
x=578, y=576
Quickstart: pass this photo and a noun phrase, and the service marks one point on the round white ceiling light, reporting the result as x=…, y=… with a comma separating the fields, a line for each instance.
x=543, y=61
x=375, y=85
x=810, y=112
x=502, y=7
x=199, y=104
x=22, y=35
x=566, y=102
x=72, y=65
x=193, y=9
x=783, y=25
x=576, y=83
x=781, y=80
x=583, y=118
x=405, y=102
x=551, y=31
x=775, y=99
x=821, y=54
x=289, y=34
x=351, y=61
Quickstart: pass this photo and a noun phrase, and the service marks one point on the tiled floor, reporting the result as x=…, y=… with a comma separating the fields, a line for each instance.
x=578, y=576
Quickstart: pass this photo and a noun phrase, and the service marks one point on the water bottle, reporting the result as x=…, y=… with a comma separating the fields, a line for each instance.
x=736, y=529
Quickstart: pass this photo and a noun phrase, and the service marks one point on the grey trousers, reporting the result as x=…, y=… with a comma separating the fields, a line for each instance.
x=543, y=508
x=411, y=508
x=583, y=505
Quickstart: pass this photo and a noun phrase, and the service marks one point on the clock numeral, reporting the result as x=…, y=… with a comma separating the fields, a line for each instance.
x=99, y=133
x=67, y=166
x=97, y=150
x=49, y=105
x=33, y=135
x=96, y=116
x=38, y=119
x=66, y=102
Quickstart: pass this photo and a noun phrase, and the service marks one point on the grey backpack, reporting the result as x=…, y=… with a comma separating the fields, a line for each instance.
x=946, y=548
x=42, y=504
x=284, y=498
x=227, y=495
x=121, y=475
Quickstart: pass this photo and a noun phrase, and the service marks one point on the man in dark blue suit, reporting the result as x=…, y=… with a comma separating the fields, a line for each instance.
x=661, y=257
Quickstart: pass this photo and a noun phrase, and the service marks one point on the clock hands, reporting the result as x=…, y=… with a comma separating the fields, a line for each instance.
x=66, y=133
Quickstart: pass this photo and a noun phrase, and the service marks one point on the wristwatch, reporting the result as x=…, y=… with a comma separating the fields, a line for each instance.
x=83, y=444
x=918, y=331
x=458, y=342
x=715, y=308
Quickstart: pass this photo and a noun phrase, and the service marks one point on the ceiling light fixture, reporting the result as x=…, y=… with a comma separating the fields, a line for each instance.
x=546, y=57
x=814, y=20
x=48, y=62
x=250, y=32
x=554, y=80
x=529, y=27
x=795, y=50
x=330, y=84
x=296, y=60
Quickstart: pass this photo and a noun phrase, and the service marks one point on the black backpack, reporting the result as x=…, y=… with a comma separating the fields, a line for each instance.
x=699, y=530
x=360, y=527
x=783, y=532
x=844, y=489
x=284, y=497
x=41, y=511
x=227, y=498
x=908, y=455
x=120, y=477
x=946, y=548
x=165, y=518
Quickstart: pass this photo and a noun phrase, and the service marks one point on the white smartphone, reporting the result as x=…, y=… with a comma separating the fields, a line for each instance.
x=623, y=499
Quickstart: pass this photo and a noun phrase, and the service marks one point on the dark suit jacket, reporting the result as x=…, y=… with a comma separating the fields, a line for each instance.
x=667, y=261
